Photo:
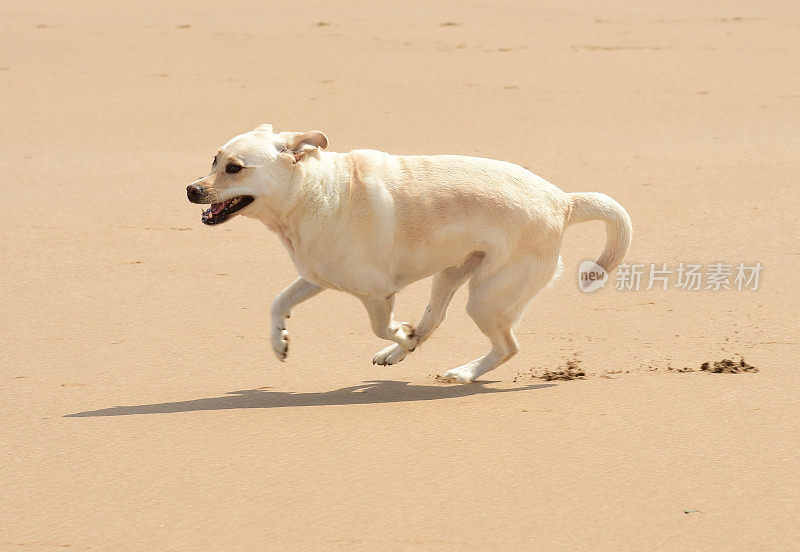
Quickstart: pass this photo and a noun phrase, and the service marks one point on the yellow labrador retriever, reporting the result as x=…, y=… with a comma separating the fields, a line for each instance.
x=370, y=223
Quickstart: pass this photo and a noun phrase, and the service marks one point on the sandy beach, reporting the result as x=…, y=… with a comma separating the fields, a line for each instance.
x=143, y=408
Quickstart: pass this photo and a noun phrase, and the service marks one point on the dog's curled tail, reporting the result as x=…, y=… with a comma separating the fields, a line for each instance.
x=588, y=206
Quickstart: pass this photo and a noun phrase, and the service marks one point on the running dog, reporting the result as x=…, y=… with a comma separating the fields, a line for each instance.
x=369, y=223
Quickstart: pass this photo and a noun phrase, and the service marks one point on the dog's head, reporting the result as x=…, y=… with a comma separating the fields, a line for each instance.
x=251, y=169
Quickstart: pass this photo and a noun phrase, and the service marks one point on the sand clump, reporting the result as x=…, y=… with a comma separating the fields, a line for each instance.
x=728, y=366
x=724, y=366
x=570, y=371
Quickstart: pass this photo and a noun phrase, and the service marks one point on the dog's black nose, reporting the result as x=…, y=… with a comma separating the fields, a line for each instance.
x=194, y=191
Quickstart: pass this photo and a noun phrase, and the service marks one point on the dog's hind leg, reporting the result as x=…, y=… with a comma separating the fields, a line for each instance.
x=297, y=292
x=496, y=303
x=443, y=286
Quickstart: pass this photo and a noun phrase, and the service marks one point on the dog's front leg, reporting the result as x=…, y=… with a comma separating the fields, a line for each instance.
x=380, y=317
x=297, y=292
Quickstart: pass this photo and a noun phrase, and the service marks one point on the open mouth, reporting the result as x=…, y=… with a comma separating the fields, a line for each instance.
x=220, y=212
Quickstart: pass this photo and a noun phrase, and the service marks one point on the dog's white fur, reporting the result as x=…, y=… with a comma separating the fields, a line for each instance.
x=369, y=223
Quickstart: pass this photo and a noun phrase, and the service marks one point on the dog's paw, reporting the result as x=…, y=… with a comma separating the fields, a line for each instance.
x=390, y=355
x=280, y=342
x=406, y=336
x=462, y=374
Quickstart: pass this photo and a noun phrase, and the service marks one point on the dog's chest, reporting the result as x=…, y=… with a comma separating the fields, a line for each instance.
x=331, y=264
x=286, y=240
x=310, y=263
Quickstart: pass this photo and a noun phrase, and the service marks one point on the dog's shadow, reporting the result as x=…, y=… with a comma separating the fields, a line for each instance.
x=369, y=392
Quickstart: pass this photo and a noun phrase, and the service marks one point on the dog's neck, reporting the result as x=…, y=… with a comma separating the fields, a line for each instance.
x=307, y=200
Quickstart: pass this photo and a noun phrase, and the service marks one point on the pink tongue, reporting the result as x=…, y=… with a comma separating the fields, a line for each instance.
x=217, y=207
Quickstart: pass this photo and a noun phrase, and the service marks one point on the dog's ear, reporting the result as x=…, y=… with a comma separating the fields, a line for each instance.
x=264, y=128
x=300, y=143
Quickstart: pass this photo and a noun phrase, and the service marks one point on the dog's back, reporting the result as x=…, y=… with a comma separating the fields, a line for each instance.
x=443, y=207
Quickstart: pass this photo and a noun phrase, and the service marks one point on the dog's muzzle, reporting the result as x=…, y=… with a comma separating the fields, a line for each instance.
x=219, y=211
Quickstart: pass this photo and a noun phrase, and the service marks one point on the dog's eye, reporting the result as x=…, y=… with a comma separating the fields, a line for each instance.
x=233, y=169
